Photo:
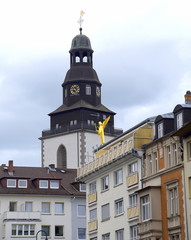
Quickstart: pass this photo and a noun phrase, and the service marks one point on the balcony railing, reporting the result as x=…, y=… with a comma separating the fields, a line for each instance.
x=173, y=221
x=132, y=179
x=132, y=212
x=68, y=128
x=92, y=226
x=92, y=197
x=21, y=215
x=150, y=226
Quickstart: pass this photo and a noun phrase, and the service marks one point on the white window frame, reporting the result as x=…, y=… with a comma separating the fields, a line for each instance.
x=133, y=200
x=132, y=168
x=42, y=182
x=155, y=156
x=105, y=183
x=22, y=181
x=82, y=187
x=92, y=187
x=52, y=183
x=173, y=199
x=11, y=185
x=169, y=156
x=119, y=207
x=43, y=208
x=160, y=130
x=44, y=230
x=118, y=177
x=119, y=234
x=105, y=212
x=79, y=238
x=106, y=236
x=28, y=208
x=134, y=230
x=88, y=89
x=60, y=209
x=93, y=214
x=145, y=207
x=81, y=210
x=21, y=227
x=175, y=152
x=179, y=119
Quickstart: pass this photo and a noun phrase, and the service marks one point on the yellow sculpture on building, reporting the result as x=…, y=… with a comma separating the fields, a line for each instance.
x=100, y=129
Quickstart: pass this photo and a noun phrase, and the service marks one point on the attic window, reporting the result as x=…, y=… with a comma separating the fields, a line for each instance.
x=11, y=183
x=82, y=187
x=160, y=130
x=54, y=184
x=43, y=184
x=179, y=120
x=22, y=183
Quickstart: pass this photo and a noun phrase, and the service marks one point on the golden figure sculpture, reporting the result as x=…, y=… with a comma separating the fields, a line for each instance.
x=100, y=129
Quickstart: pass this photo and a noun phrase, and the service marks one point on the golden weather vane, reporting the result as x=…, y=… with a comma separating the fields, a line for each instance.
x=100, y=129
x=80, y=21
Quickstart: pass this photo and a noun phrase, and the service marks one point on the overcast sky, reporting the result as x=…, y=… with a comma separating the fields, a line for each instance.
x=142, y=55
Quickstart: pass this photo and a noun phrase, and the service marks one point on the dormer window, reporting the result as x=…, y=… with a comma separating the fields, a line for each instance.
x=43, y=184
x=160, y=130
x=82, y=187
x=54, y=184
x=179, y=120
x=88, y=89
x=11, y=183
x=22, y=183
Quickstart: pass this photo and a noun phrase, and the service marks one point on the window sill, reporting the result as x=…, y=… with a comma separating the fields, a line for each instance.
x=105, y=190
x=120, y=214
x=106, y=219
x=116, y=185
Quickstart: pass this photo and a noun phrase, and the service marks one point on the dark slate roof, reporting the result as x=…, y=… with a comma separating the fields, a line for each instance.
x=81, y=41
x=81, y=73
x=67, y=178
x=81, y=104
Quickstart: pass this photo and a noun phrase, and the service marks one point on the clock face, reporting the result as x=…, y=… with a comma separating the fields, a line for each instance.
x=98, y=91
x=75, y=89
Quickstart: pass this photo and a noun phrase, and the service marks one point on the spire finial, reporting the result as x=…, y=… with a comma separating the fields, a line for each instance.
x=80, y=21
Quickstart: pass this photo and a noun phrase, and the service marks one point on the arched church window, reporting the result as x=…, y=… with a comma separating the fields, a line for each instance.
x=77, y=59
x=61, y=157
x=88, y=89
x=85, y=59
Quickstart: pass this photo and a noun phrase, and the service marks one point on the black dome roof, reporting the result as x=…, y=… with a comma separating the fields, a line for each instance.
x=81, y=41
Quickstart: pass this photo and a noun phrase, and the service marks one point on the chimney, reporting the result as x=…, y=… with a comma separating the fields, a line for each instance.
x=10, y=168
x=187, y=97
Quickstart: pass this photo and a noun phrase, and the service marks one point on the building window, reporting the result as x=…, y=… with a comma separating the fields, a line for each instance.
x=133, y=200
x=13, y=206
x=82, y=187
x=179, y=120
x=54, y=184
x=23, y=229
x=45, y=207
x=81, y=210
x=134, y=230
x=169, y=159
x=11, y=183
x=106, y=236
x=173, y=201
x=45, y=230
x=82, y=233
x=150, y=162
x=28, y=206
x=88, y=89
x=160, y=130
x=175, y=237
x=65, y=92
x=22, y=183
x=93, y=214
x=92, y=187
x=118, y=207
x=145, y=206
x=59, y=231
x=61, y=157
x=175, y=153
x=118, y=177
x=156, y=161
x=43, y=184
x=59, y=208
x=132, y=168
x=105, y=183
x=105, y=212
x=189, y=150
x=119, y=234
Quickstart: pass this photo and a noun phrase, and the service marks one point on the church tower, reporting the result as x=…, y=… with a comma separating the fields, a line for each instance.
x=72, y=134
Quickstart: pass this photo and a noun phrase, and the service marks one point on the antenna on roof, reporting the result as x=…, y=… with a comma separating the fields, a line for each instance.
x=80, y=21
